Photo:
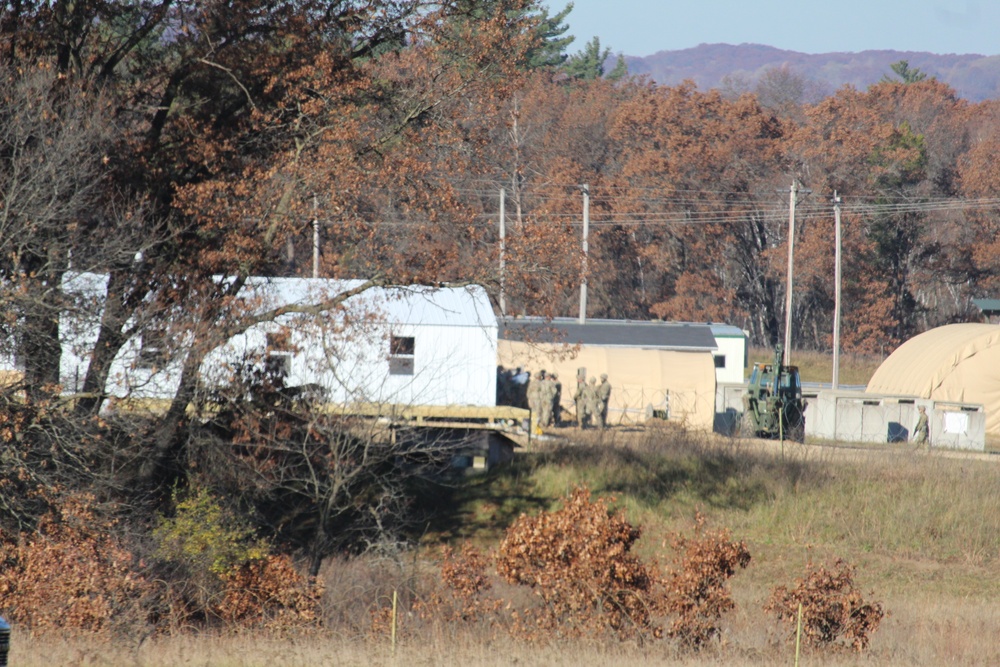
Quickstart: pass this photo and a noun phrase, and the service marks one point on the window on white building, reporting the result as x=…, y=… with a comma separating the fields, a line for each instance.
x=278, y=362
x=154, y=351
x=401, y=351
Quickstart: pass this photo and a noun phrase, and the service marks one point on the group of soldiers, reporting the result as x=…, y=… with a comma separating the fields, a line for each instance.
x=592, y=402
x=542, y=395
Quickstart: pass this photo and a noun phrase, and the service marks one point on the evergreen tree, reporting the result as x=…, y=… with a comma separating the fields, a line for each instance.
x=620, y=70
x=588, y=64
x=552, y=38
x=905, y=73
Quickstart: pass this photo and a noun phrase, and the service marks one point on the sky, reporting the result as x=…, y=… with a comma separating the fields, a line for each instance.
x=643, y=27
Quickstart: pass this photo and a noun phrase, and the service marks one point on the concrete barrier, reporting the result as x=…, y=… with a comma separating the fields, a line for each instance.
x=855, y=416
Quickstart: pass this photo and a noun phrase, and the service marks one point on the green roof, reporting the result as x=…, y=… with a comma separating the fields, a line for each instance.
x=988, y=306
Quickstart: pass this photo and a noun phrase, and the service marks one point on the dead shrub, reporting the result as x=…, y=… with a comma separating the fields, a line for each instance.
x=832, y=608
x=698, y=592
x=578, y=561
x=465, y=595
x=72, y=574
x=465, y=575
x=357, y=592
x=269, y=593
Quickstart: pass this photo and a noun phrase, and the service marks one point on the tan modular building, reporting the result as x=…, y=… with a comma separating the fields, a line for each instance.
x=956, y=363
x=666, y=366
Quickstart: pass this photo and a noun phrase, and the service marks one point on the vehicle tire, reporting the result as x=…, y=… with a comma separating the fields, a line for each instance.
x=746, y=426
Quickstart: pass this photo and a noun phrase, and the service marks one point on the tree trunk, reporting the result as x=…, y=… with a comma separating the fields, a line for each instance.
x=110, y=339
x=164, y=464
x=40, y=347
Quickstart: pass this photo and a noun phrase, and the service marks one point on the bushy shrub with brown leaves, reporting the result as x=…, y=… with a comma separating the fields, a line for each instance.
x=832, y=608
x=270, y=593
x=74, y=574
x=698, y=592
x=71, y=574
x=585, y=581
x=465, y=575
x=578, y=560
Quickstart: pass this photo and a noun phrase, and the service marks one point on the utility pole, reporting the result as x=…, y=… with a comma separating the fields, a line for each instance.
x=788, y=280
x=315, y=237
x=503, y=252
x=583, y=270
x=836, y=293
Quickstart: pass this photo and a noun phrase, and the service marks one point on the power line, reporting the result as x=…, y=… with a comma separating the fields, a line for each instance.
x=748, y=211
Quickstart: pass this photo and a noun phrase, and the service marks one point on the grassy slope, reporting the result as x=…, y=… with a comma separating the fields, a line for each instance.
x=923, y=530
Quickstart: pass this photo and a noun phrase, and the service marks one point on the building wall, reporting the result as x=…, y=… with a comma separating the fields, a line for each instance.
x=681, y=382
x=859, y=417
x=451, y=364
x=734, y=349
x=856, y=416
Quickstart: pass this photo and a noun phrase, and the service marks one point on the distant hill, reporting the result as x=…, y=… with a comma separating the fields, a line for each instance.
x=973, y=76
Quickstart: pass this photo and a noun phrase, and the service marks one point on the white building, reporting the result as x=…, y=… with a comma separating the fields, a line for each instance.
x=401, y=345
x=731, y=355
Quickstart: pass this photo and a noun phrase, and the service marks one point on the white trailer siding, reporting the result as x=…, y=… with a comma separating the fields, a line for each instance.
x=348, y=351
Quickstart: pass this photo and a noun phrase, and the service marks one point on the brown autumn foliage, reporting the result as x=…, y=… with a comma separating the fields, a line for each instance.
x=578, y=561
x=584, y=581
x=394, y=126
x=699, y=164
x=71, y=574
x=467, y=594
x=699, y=588
x=77, y=572
x=834, y=612
x=269, y=593
x=162, y=144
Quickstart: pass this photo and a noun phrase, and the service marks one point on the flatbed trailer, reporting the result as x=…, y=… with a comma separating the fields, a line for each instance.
x=483, y=436
x=492, y=431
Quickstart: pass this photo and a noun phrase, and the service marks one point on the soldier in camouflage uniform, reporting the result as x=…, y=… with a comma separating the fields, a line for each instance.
x=581, y=404
x=536, y=397
x=530, y=394
x=604, y=394
x=593, y=401
x=556, y=400
x=546, y=393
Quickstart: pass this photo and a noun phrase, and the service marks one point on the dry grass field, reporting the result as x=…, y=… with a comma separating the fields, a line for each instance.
x=923, y=531
x=950, y=642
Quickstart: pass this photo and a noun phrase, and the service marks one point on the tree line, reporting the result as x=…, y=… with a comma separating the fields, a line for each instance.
x=162, y=144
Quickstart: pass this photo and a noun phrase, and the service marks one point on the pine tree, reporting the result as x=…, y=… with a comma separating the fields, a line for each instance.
x=553, y=41
x=588, y=64
x=620, y=70
x=906, y=75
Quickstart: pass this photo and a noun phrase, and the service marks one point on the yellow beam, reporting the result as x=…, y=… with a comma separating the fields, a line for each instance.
x=425, y=412
x=455, y=414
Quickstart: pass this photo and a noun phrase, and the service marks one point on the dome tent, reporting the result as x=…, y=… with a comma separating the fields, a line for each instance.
x=957, y=363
